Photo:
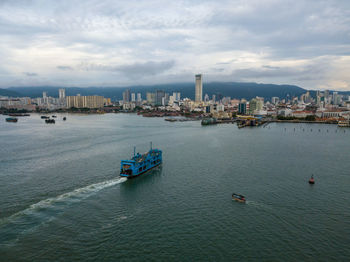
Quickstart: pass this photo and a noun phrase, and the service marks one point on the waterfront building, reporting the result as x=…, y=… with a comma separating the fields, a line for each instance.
x=255, y=105
x=242, y=107
x=44, y=95
x=199, y=88
x=85, y=101
x=133, y=97
x=126, y=96
x=213, y=98
x=206, y=98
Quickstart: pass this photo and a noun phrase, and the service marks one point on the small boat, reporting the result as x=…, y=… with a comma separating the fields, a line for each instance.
x=54, y=116
x=12, y=119
x=64, y=118
x=312, y=180
x=238, y=198
x=49, y=121
x=45, y=117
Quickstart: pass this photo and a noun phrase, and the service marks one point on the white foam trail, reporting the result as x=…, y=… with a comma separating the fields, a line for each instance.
x=70, y=197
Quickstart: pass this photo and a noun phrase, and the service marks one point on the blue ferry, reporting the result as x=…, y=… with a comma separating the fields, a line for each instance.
x=140, y=164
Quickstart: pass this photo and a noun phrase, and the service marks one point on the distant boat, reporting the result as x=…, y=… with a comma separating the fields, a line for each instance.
x=19, y=114
x=238, y=198
x=312, y=180
x=64, y=118
x=50, y=121
x=11, y=119
x=54, y=116
x=44, y=117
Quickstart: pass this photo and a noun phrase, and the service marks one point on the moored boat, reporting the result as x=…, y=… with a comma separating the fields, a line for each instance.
x=12, y=119
x=44, y=117
x=140, y=164
x=312, y=180
x=238, y=198
x=345, y=123
x=49, y=121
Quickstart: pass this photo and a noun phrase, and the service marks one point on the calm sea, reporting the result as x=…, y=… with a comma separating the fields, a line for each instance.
x=61, y=198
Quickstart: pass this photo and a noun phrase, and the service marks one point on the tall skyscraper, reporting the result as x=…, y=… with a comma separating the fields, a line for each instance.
x=159, y=97
x=199, y=88
x=61, y=93
x=44, y=94
x=126, y=96
x=139, y=98
x=133, y=97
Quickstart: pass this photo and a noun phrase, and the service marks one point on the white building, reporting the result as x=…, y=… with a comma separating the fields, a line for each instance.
x=133, y=97
x=139, y=98
x=61, y=93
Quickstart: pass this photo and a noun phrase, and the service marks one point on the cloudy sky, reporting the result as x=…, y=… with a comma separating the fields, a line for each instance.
x=118, y=43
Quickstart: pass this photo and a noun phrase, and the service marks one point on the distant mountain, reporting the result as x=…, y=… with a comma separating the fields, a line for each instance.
x=7, y=92
x=232, y=89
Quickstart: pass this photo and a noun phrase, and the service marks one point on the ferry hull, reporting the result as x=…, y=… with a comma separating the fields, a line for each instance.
x=133, y=176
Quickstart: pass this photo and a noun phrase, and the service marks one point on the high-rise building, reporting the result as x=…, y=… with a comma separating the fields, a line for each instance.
x=126, y=96
x=133, y=97
x=199, y=88
x=85, y=101
x=61, y=93
x=326, y=93
x=151, y=98
x=44, y=94
x=206, y=98
x=242, y=107
x=159, y=97
x=275, y=100
x=139, y=98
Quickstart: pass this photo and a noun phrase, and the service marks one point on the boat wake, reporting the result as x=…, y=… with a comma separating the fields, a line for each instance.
x=47, y=209
x=258, y=205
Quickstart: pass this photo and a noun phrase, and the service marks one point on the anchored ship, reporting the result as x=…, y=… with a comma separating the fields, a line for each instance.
x=11, y=119
x=140, y=164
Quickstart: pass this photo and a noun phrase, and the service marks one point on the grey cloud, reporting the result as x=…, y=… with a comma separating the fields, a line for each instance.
x=65, y=68
x=131, y=70
x=270, y=67
x=30, y=74
x=119, y=33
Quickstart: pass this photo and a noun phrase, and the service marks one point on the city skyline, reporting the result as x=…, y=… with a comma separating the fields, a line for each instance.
x=104, y=43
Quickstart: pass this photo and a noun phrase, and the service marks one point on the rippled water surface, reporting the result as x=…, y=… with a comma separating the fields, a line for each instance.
x=61, y=198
